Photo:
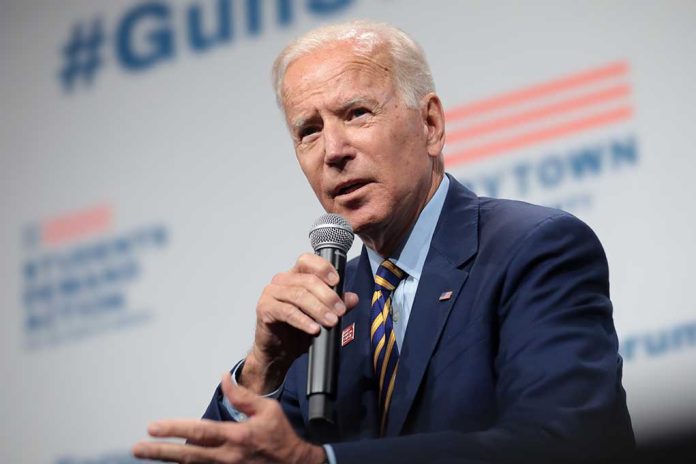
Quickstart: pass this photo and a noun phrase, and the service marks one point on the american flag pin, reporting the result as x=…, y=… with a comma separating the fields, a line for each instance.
x=444, y=296
x=348, y=334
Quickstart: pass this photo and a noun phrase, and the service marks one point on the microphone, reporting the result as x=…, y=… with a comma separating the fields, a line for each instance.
x=331, y=237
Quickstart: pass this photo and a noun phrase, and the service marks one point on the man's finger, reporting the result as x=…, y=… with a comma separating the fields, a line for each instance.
x=306, y=301
x=314, y=264
x=176, y=452
x=200, y=431
x=350, y=299
x=316, y=286
x=274, y=310
x=242, y=399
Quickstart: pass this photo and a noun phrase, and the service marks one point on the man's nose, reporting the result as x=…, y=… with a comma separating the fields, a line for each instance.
x=337, y=147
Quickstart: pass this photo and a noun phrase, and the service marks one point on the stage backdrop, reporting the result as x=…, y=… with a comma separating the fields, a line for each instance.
x=149, y=190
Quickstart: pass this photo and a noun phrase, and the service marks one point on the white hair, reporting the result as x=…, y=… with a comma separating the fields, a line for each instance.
x=411, y=73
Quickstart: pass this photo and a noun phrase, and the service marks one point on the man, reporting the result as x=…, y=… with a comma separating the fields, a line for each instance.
x=482, y=328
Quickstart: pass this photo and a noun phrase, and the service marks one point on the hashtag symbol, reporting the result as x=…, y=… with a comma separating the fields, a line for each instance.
x=81, y=54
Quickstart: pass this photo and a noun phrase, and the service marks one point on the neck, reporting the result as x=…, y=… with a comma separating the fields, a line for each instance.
x=387, y=239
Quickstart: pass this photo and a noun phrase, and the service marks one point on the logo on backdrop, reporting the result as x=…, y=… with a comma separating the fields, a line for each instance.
x=154, y=32
x=547, y=141
x=659, y=342
x=77, y=272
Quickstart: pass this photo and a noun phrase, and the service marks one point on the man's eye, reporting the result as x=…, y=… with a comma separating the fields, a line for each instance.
x=307, y=131
x=357, y=112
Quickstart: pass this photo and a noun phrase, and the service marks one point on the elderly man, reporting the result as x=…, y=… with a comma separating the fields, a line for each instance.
x=499, y=344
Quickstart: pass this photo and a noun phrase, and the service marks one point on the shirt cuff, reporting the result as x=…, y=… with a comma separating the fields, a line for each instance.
x=239, y=416
x=330, y=455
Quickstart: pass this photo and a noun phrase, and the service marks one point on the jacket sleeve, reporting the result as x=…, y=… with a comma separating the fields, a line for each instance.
x=558, y=392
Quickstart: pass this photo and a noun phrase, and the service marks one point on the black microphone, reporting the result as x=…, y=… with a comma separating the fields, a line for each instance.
x=331, y=237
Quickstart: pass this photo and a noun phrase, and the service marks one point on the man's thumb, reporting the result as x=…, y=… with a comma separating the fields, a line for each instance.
x=242, y=399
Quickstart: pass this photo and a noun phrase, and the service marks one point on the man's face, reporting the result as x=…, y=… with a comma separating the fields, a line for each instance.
x=364, y=152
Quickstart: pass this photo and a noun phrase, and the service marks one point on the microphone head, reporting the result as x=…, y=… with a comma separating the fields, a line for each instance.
x=331, y=230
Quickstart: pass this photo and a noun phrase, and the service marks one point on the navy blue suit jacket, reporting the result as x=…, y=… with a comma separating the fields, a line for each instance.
x=520, y=363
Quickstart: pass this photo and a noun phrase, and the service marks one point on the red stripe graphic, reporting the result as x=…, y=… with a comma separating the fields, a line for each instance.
x=553, y=109
x=538, y=91
x=76, y=225
x=561, y=130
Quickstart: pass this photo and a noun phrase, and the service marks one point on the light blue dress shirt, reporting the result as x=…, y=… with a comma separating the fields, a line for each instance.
x=410, y=259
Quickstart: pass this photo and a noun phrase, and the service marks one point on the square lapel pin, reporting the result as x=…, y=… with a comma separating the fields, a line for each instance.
x=348, y=335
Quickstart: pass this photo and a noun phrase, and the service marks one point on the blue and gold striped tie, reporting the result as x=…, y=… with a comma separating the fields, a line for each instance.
x=385, y=353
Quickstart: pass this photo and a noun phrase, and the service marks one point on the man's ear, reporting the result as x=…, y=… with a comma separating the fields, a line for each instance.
x=434, y=120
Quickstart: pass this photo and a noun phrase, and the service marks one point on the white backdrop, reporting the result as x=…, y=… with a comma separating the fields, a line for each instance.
x=144, y=167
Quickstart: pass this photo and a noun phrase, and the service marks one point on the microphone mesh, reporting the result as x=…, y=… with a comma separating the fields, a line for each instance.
x=331, y=230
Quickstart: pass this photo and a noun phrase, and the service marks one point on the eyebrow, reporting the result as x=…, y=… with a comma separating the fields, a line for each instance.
x=355, y=101
x=299, y=123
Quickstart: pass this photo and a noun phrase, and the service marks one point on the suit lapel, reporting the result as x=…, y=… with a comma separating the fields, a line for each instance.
x=454, y=242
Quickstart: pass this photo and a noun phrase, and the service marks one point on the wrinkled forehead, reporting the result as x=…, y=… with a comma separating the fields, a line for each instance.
x=373, y=57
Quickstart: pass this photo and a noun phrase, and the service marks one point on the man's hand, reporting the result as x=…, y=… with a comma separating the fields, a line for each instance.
x=289, y=312
x=266, y=437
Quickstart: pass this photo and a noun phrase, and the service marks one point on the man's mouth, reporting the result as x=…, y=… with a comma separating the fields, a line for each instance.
x=349, y=187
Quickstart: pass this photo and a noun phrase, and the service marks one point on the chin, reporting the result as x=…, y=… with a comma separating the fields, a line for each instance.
x=362, y=222
x=363, y=216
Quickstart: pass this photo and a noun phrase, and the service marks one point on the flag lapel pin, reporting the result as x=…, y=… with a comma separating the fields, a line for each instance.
x=348, y=334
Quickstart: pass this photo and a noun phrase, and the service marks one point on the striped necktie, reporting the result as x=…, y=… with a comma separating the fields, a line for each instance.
x=385, y=353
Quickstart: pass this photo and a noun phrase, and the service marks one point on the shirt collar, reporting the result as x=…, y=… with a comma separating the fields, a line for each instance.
x=411, y=258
